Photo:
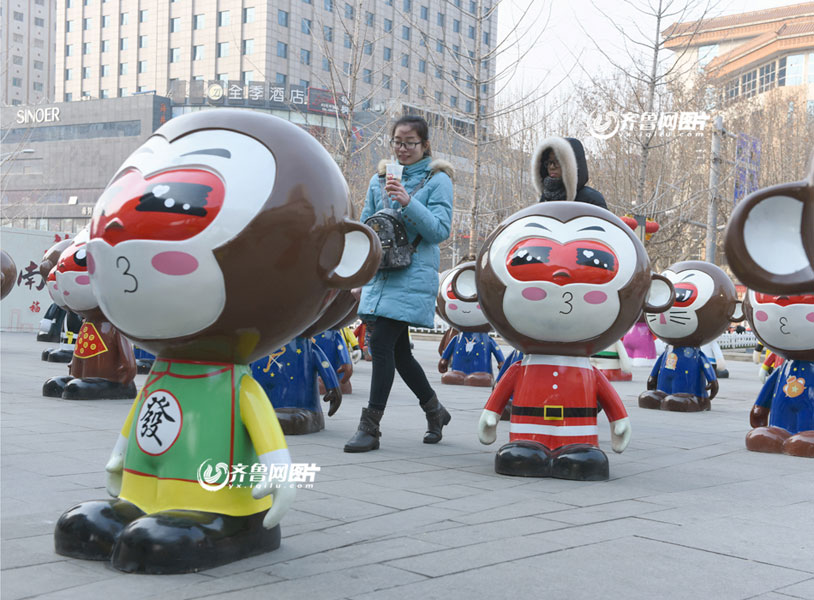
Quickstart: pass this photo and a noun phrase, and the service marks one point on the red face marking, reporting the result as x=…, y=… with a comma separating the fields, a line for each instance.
x=783, y=300
x=580, y=261
x=450, y=294
x=74, y=260
x=686, y=293
x=174, y=205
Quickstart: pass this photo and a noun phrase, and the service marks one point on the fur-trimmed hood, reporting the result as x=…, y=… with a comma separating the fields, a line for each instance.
x=435, y=166
x=571, y=156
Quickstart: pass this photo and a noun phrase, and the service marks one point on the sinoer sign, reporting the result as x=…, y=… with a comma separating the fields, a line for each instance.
x=48, y=114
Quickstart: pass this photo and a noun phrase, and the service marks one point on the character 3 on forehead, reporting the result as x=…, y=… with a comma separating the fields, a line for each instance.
x=560, y=281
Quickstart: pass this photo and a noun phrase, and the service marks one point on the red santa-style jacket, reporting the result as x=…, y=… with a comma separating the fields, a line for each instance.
x=554, y=400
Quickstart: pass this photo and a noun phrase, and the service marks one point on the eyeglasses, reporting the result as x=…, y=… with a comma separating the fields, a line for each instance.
x=408, y=145
x=552, y=163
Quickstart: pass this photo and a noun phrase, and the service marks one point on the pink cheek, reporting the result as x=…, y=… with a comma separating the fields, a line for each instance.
x=810, y=317
x=83, y=280
x=761, y=316
x=595, y=297
x=91, y=264
x=453, y=307
x=174, y=263
x=534, y=293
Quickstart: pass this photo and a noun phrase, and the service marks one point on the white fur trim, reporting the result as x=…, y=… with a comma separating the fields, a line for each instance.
x=568, y=161
x=435, y=166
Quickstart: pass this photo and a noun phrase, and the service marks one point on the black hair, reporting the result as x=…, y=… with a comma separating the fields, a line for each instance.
x=417, y=124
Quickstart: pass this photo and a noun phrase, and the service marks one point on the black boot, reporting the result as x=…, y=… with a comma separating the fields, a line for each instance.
x=367, y=436
x=437, y=417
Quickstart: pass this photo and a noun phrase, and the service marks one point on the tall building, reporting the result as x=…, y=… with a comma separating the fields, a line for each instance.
x=28, y=42
x=747, y=54
x=406, y=48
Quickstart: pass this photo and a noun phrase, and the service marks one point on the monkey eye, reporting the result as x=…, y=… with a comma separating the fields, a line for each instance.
x=591, y=257
x=686, y=294
x=529, y=255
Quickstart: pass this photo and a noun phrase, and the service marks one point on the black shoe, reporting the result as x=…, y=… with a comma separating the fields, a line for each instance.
x=95, y=388
x=54, y=387
x=300, y=421
x=579, y=462
x=367, y=436
x=90, y=530
x=523, y=459
x=651, y=399
x=60, y=356
x=185, y=541
x=437, y=417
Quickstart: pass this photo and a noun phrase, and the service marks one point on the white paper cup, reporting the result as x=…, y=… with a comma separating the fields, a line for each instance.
x=394, y=170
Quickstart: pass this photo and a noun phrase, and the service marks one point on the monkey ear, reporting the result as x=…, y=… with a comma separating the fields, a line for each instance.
x=464, y=285
x=769, y=240
x=661, y=295
x=361, y=254
x=737, y=313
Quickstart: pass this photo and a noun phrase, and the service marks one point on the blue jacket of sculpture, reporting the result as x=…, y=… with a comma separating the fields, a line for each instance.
x=789, y=395
x=683, y=370
x=471, y=352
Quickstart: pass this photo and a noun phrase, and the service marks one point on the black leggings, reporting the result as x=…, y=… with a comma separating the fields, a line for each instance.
x=390, y=349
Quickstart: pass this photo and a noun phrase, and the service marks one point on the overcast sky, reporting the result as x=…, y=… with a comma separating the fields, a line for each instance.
x=572, y=24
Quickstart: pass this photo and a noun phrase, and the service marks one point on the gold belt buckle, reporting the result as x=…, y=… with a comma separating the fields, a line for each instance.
x=559, y=413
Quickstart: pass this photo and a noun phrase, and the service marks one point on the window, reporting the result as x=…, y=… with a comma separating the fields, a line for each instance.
x=68, y=49
x=87, y=23
x=122, y=92
x=811, y=68
x=456, y=76
x=473, y=7
x=748, y=84
x=38, y=43
x=247, y=77
x=105, y=45
x=403, y=87
x=305, y=56
x=438, y=72
x=425, y=12
x=305, y=83
x=471, y=33
x=328, y=33
x=794, y=69
x=421, y=92
x=248, y=17
x=104, y=70
x=766, y=75
x=223, y=18
x=456, y=26
x=282, y=49
x=388, y=25
x=197, y=78
x=731, y=90
x=175, y=55
x=346, y=41
x=367, y=76
x=38, y=86
x=456, y=49
x=124, y=18
x=142, y=15
x=86, y=48
x=282, y=18
x=248, y=46
x=407, y=5
x=386, y=82
x=329, y=5
x=223, y=49
x=706, y=54
x=280, y=78
x=198, y=21
x=439, y=97
x=388, y=53
x=422, y=66
x=346, y=68
x=198, y=52
x=17, y=81
x=453, y=101
x=370, y=19
x=368, y=48
x=68, y=97
x=38, y=65
x=222, y=77
x=105, y=21
x=85, y=72
x=142, y=66
x=68, y=26
x=486, y=37
x=123, y=44
x=17, y=60
x=439, y=46
x=405, y=60
x=349, y=12
x=470, y=106
x=122, y=68
x=143, y=41
x=18, y=39
x=326, y=64
x=104, y=94
x=175, y=24
x=18, y=16
x=405, y=32
x=305, y=26
x=440, y=20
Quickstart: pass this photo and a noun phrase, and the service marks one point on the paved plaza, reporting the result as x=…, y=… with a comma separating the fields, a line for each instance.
x=687, y=513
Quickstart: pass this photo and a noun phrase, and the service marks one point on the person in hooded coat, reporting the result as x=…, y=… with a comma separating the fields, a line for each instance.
x=560, y=172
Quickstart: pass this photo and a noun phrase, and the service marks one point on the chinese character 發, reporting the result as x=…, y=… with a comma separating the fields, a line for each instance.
x=154, y=416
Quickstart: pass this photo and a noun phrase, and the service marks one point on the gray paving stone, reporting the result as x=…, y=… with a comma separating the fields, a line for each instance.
x=804, y=589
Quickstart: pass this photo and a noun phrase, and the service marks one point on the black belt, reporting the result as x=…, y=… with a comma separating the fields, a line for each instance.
x=552, y=413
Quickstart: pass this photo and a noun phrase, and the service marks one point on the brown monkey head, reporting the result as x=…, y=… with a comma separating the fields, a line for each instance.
x=462, y=315
x=342, y=308
x=223, y=236
x=563, y=278
x=8, y=274
x=769, y=240
x=706, y=303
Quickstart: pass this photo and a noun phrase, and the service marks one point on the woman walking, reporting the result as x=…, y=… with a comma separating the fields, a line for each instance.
x=395, y=299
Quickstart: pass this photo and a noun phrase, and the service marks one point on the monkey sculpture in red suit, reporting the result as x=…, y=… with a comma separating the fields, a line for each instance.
x=560, y=281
